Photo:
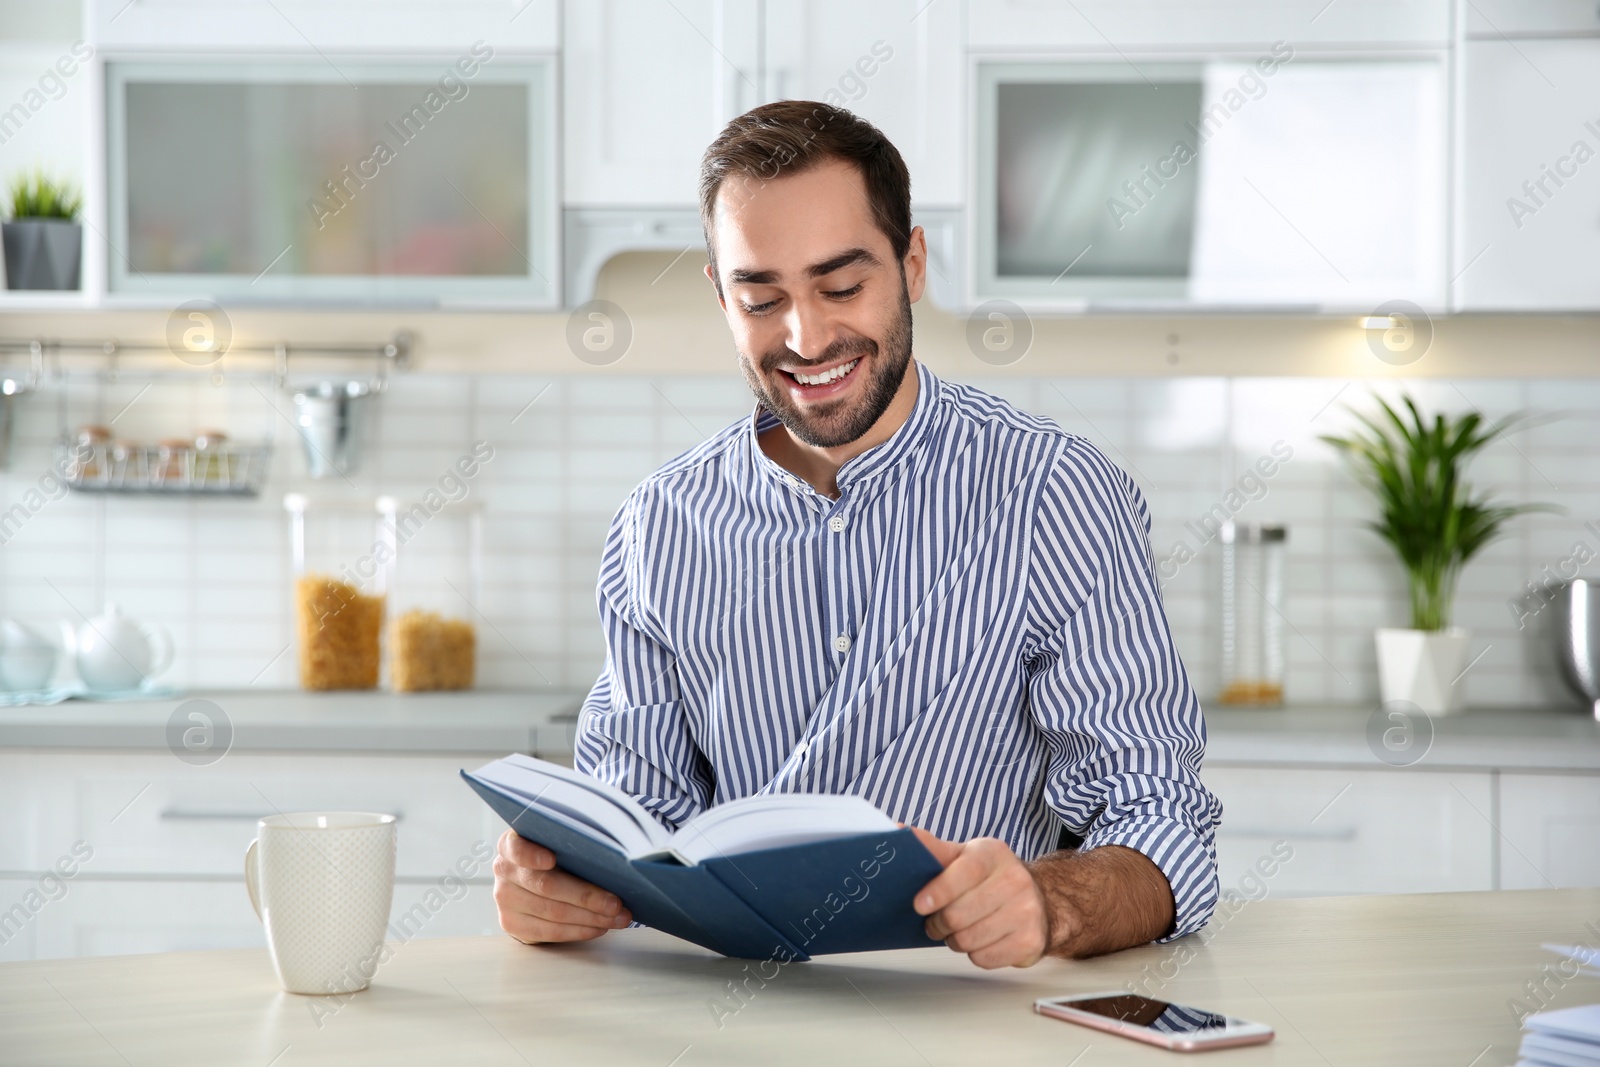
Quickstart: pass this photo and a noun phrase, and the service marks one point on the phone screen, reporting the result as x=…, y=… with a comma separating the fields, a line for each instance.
x=1157, y=1015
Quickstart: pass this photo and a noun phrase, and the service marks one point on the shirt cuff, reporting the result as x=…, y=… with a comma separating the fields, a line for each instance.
x=1189, y=863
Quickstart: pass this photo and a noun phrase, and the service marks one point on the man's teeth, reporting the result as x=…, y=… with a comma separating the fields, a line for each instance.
x=826, y=376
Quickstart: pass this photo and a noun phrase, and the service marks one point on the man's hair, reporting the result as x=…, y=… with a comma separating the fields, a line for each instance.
x=792, y=136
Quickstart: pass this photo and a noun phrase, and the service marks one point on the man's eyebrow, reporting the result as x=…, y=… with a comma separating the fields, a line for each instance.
x=847, y=258
x=843, y=259
x=753, y=277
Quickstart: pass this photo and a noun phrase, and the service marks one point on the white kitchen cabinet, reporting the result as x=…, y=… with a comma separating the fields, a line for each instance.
x=1550, y=827
x=1528, y=176
x=1328, y=189
x=1289, y=183
x=1117, y=25
x=648, y=85
x=1494, y=18
x=436, y=182
x=167, y=843
x=897, y=63
x=1353, y=831
x=146, y=813
x=327, y=26
x=110, y=917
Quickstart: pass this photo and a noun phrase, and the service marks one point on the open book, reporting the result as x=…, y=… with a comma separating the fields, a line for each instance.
x=785, y=875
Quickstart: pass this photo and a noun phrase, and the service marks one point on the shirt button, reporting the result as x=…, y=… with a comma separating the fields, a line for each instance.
x=836, y=523
x=841, y=643
x=800, y=749
x=794, y=483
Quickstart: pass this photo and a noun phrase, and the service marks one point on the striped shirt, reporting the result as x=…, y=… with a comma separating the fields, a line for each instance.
x=971, y=637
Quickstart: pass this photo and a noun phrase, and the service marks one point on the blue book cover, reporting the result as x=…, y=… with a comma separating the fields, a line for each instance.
x=845, y=894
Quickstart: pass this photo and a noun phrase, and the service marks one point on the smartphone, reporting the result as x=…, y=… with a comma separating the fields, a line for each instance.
x=1155, y=1022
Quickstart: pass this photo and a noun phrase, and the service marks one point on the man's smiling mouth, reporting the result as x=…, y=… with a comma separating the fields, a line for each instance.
x=824, y=378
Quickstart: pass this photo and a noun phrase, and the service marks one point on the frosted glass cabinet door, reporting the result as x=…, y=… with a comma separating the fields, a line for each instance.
x=1529, y=236
x=1322, y=185
x=1081, y=191
x=428, y=180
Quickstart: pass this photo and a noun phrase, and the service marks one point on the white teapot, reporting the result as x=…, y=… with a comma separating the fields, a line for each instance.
x=113, y=652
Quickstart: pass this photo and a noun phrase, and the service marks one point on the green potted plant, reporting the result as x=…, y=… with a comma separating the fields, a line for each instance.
x=1435, y=523
x=43, y=241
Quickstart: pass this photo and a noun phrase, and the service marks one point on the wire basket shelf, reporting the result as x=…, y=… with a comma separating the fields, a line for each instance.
x=157, y=470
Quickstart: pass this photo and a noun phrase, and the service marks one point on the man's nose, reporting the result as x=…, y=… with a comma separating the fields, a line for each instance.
x=809, y=331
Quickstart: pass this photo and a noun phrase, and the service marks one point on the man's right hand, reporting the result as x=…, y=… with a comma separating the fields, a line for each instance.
x=538, y=902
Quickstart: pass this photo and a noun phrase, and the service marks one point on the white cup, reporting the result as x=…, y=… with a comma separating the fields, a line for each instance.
x=322, y=883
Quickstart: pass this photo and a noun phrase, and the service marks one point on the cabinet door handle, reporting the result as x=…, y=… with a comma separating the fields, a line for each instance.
x=1291, y=833
x=202, y=815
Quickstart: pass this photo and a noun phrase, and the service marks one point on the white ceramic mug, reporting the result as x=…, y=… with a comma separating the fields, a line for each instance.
x=322, y=883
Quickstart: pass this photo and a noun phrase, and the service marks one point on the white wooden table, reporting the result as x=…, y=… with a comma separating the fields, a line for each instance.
x=1411, y=980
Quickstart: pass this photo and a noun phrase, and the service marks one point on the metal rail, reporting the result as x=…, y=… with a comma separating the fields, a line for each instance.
x=392, y=354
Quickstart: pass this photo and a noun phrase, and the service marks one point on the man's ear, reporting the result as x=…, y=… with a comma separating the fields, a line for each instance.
x=916, y=264
x=711, y=276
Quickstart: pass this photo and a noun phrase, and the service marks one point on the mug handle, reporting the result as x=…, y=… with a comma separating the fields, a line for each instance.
x=159, y=637
x=251, y=877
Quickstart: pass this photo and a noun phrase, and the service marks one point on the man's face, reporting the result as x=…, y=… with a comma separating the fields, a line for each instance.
x=819, y=305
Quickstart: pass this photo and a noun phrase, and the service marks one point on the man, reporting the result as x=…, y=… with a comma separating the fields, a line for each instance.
x=892, y=586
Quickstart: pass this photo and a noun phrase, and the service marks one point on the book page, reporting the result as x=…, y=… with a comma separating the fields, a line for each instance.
x=775, y=821
x=607, y=811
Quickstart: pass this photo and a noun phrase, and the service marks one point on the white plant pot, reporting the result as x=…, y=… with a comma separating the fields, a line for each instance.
x=1423, y=667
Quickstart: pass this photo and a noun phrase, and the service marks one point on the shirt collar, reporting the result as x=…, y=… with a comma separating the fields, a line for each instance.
x=875, y=461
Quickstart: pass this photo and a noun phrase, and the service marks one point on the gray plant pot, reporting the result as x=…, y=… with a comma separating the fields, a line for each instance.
x=42, y=253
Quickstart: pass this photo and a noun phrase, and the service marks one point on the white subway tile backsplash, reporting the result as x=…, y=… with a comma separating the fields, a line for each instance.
x=1090, y=396
x=567, y=451
x=529, y=498
x=605, y=428
x=448, y=396
x=420, y=426
x=611, y=394
x=508, y=530
x=597, y=497
x=590, y=464
x=125, y=566
x=726, y=395
x=521, y=463
x=229, y=635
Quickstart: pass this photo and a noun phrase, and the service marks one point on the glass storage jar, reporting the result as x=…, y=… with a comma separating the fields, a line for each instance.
x=1252, y=614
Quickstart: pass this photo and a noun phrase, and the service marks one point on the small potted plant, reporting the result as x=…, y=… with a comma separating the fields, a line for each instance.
x=1435, y=523
x=42, y=238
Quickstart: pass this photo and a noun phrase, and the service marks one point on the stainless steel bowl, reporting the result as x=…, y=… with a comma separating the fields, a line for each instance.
x=1577, y=637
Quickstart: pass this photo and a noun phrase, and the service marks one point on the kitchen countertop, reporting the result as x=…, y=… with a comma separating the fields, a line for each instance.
x=1535, y=739
x=1405, y=980
x=480, y=720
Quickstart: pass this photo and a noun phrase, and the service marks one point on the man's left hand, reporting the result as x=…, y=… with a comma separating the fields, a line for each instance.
x=986, y=903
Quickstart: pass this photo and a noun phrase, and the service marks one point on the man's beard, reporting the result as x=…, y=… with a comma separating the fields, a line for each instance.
x=844, y=420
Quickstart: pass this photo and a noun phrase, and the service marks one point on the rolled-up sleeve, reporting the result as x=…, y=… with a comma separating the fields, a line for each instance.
x=632, y=731
x=1107, y=689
